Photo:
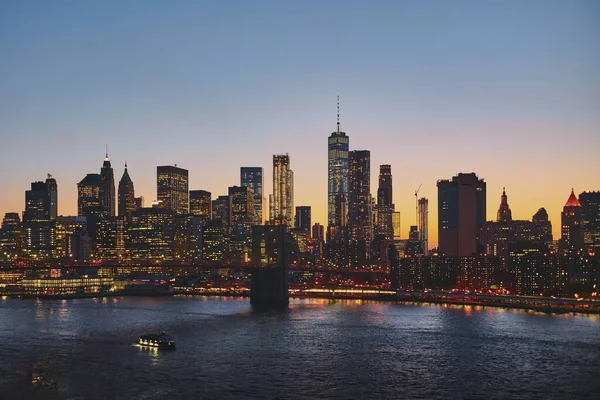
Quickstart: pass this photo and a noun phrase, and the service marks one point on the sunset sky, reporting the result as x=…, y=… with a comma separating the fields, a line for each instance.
x=509, y=90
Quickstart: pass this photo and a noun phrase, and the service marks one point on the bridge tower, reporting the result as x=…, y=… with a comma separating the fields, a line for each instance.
x=270, y=274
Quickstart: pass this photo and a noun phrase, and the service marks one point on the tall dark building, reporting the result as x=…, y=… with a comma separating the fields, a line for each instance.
x=172, y=188
x=241, y=209
x=504, y=213
x=220, y=211
x=337, y=179
x=200, y=204
x=572, y=233
x=88, y=193
x=52, y=188
x=360, y=219
x=39, y=235
x=282, y=202
x=107, y=187
x=543, y=225
x=127, y=204
x=37, y=203
x=303, y=218
x=385, y=207
x=253, y=177
x=590, y=209
x=461, y=214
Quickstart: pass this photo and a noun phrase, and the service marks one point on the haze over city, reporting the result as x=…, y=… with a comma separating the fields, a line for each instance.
x=509, y=91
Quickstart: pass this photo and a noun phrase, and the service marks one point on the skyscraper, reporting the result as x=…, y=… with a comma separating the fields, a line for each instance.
x=504, y=213
x=360, y=220
x=37, y=203
x=423, y=226
x=220, y=211
x=127, y=204
x=283, y=190
x=200, y=203
x=253, y=177
x=38, y=230
x=337, y=180
x=396, y=225
x=385, y=207
x=88, y=194
x=172, y=188
x=107, y=187
x=461, y=214
x=303, y=218
x=572, y=233
x=590, y=208
x=52, y=188
x=241, y=209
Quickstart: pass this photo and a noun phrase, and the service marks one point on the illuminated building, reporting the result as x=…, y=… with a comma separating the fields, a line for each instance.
x=385, y=207
x=590, y=210
x=88, y=194
x=283, y=191
x=543, y=225
x=504, y=213
x=318, y=232
x=39, y=235
x=151, y=234
x=127, y=203
x=253, y=177
x=64, y=286
x=424, y=272
x=477, y=272
x=301, y=238
x=423, y=223
x=110, y=238
x=360, y=220
x=172, y=188
x=396, y=225
x=37, y=203
x=303, y=218
x=201, y=204
x=461, y=214
x=10, y=236
x=414, y=246
x=338, y=165
x=241, y=219
x=71, y=242
x=188, y=237
x=214, y=241
x=572, y=232
x=107, y=187
x=220, y=211
x=52, y=189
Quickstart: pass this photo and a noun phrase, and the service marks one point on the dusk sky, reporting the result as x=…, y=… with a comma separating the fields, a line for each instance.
x=509, y=90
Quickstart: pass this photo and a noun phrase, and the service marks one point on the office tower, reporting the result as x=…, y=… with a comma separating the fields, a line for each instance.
x=253, y=177
x=110, y=238
x=318, y=232
x=201, y=204
x=188, y=237
x=590, y=209
x=107, y=187
x=151, y=234
x=461, y=214
x=241, y=209
x=10, y=236
x=52, y=188
x=423, y=223
x=385, y=207
x=220, y=211
x=88, y=194
x=337, y=175
x=214, y=241
x=37, y=203
x=172, y=188
x=72, y=240
x=283, y=190
x=38, y=230
x=504, y=213
x=543, y=225
x=396, y=225
x=303, y=218
x=127, y=204
x=360, y=220
x=572, y=232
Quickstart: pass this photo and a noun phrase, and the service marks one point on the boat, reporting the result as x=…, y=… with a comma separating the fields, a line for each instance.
x=162, y=341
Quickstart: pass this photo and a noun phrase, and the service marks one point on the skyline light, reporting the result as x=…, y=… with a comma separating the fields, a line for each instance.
x=508, y=91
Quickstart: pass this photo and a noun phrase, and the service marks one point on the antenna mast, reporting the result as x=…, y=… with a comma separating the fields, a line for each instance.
x=338, y=114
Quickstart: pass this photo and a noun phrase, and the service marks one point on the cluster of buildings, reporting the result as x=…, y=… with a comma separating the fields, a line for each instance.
x=363, y=227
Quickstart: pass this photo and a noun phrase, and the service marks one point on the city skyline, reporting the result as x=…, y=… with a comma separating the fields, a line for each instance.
x=430, y=99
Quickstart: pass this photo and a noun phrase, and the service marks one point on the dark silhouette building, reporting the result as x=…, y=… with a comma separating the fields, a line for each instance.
x=52, y=188
x=253, y=177
x=504, y=213
x=107, y=188
x=270, y=247
x=590, y=210
x=461, y=214
x=572, y=232
x=360, y=219
x=127, y=204
x=303, y=218
x=385, y=206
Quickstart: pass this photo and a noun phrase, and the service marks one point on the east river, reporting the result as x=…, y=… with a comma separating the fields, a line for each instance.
x=318, y=349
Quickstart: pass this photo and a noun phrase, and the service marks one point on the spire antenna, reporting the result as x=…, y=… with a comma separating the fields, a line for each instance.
x=107, y=150
x=338, y=114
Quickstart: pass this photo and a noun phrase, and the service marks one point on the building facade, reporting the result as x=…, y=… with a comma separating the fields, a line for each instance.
x=283, y=191
x=172, y=188
x=253, y=177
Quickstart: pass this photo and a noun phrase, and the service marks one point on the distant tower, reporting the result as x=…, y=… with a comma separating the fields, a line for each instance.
x=253, y=177
x=52, y=188
x=303, y=218
x=283, y=190
x=127, y=204
x=590, y=207
x=423, y=207
x=572, y=224
x=107, y=187
x=338, y=166
x=385, y=207
x=201, y=203
x=172, y=188
x=504, y=213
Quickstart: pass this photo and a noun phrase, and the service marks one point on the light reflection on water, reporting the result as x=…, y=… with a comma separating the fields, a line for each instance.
x=86, y=348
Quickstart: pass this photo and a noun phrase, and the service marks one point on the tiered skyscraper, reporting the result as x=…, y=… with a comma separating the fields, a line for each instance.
x=282, y=201
x=572, y=233
x=590, y=207
x=338, y=167
x=107, y=187
x=385, y=207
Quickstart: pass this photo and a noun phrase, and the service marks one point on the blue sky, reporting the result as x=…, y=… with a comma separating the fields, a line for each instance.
x=509, y=90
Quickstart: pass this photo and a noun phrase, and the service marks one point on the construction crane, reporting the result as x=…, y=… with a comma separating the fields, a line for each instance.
x=417, y=205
